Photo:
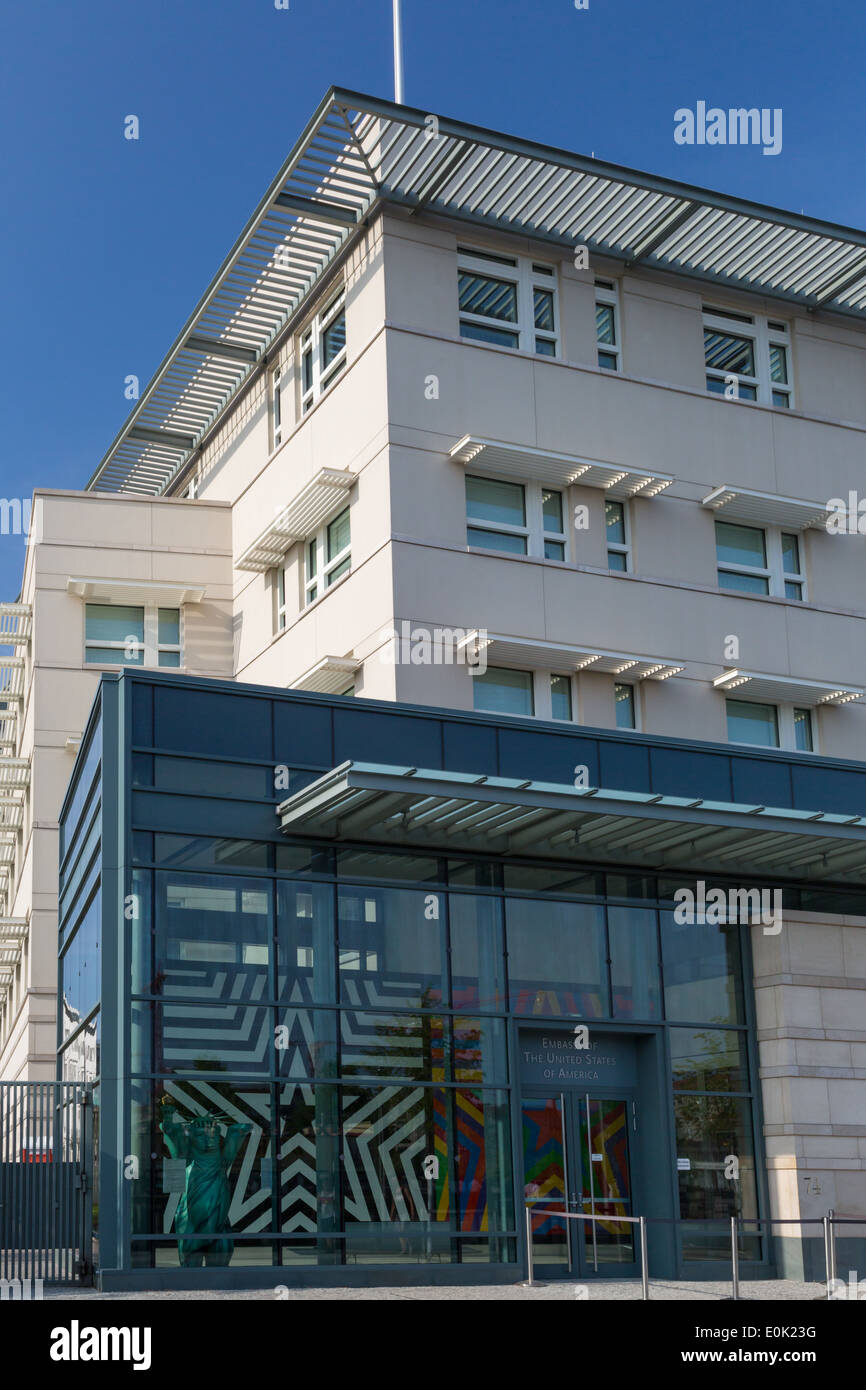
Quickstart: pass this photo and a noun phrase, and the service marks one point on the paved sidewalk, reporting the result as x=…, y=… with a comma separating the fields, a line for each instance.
x=661, y=1290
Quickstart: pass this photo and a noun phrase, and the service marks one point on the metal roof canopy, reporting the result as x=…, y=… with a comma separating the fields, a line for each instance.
x=560, y=656
x=461, y=811
x=742, y=504
x=359, y=150
x=755, y=685
x=313, y=505
x=509, y=460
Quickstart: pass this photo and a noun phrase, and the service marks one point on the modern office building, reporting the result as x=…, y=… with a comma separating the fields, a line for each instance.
x=553, y=468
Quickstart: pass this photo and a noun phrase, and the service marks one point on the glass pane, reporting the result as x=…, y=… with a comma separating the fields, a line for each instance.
x=606, y=1180
x=477, y=959
x=782, y=398
x=749, y=723
x=308, y=370
x=486, y=333
x=414, y=1046
x=484, y=1198
x=551, y=506
x=605, y=323
x=391, y=947
x=213, y=936
x=338, y=534
x=495, y=540
x=169, y=627
x=546, y=347
x=793, y=590
x=312, y=559
x=113, y=656
x=342, y=568
x=333, y=339
x=727, y=353
x=790, y=553
x=544, y=1177
x=543, y=304
x=710, y=1131
x=169, y=658
x=504, y=692
x=740, y=545
x=560, y=696
x=743, y=583
x=305, y=942
x=487, y=499
x=486, y=295
x=624, y=703
x=614, y=519
x=617, y=560
x=479, y=1051
x=194, y=1037
x=706, y=1059
x=634, y=962
x=554, y=550
x=803, y=730
x=608, y=361
x=371, y=863
x=702, y=971
x=108, y=622
x=309, y=1166
x=778, y=363
x=556, y=958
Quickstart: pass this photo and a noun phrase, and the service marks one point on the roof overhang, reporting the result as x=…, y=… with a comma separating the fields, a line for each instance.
x=559, y=656
x=136, y=591
x=752, y=685
x=545, y=466
x=359, y=151
x=329, y=676
x=766, y=508
x=303, y=516
x=456, y=811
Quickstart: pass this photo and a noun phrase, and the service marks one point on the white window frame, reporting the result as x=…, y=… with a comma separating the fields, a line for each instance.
x=618, y=547
x=318, y=544
x=276, y=407
x=152, y=645
x=311, y=341
x=785, y=725
x=281, y=616
x=774, y=571
x=528, y=275
x=634, y=687
x=765, y=332
x=607, y=292
x=533, y=532
x=542, y=694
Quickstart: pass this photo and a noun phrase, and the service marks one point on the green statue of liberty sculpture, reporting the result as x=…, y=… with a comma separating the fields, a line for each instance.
x=208, y=1146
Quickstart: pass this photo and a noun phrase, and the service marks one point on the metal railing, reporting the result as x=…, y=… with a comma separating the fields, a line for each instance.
x=828, y=1223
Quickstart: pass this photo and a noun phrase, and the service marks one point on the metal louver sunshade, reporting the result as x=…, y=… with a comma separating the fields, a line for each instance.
x=358, y=151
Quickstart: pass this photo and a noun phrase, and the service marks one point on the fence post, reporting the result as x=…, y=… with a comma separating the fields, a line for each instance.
x=735, y=1261
x=529, y=1270
x=644, y=1260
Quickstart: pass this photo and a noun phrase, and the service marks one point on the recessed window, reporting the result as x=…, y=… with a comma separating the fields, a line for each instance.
x=327, y=556
x=750, y=361
x=607, y=325
x=322, y=350
x=501, y=691
x=281, y=600
x=276, y=407
x=624, y=704
x=803, y=730
x=616, y=524
x=760, y=560
x=126, y=635
x=771, y=726
x=516, y=518
x=508, y=301
x=560, y=697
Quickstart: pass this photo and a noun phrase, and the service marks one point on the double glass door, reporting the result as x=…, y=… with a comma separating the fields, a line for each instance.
x=577, y=1154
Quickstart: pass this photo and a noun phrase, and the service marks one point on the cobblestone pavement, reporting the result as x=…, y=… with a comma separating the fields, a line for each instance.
x=661, y=1290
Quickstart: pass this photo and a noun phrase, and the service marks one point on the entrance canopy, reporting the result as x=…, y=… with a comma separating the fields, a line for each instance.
x=459, y=811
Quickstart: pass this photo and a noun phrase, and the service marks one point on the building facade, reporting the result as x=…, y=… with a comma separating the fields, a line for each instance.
x=475, y=425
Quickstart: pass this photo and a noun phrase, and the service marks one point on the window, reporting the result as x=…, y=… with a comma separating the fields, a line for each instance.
x=560, y=697
x=327, y=556
x=507, y=300
x=606, y=326
x=624, y=704
x=757, y=560
x=499, y=691
x=281, y=600
x=517, y=518
x=770, y=726
x=752, y=349
x=323, y=350
x=618, y=549
x=121, y=635
x=276, y=408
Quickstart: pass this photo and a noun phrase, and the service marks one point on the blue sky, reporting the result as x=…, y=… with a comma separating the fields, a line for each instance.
x=107, y=244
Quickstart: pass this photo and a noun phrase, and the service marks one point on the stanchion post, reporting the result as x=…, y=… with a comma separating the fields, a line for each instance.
x=529, y=1270
x=830, y=1215
x=828, y=1256
x=644, y=1260
x=735, y=1261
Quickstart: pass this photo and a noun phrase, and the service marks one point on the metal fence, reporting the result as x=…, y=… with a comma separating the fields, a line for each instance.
x=828, y=1224
x=45, y=1169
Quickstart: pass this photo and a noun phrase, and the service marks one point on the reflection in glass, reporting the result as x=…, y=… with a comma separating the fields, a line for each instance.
x=305, y=942
x=544, y=1172
x=707, y=1059
x=556, y=958
x=391, y=948
x=477, y=960
x=714, y=1137
x=702, y=971
x=634, y=962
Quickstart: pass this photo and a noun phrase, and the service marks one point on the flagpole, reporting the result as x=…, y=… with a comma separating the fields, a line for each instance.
x=398, y=53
